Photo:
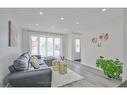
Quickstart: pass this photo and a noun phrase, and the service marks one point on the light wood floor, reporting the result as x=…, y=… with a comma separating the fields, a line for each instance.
x=92, y=77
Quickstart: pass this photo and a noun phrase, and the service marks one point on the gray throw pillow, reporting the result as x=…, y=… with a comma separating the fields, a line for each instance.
x=21, y=63
x=27, y=55
x=12, y=69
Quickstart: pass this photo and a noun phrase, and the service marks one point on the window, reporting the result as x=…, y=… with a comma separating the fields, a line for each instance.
x=34, y=45
x=42, y=46
x=46, y=46
x=49, y=46
x=77, y=45
x=57, y=47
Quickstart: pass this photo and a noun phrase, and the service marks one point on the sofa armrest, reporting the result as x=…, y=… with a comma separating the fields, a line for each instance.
x=30, y=78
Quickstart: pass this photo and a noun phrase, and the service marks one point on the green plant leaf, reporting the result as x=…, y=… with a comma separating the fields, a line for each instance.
x=111, y=67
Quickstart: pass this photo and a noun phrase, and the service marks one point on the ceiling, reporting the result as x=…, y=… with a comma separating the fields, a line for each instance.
x=51, y=19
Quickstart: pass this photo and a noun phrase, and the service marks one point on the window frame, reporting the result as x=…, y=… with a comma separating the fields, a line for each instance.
x=46, y=36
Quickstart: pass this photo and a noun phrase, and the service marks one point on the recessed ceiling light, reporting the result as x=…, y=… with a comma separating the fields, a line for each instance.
x=53, y=27
x=104, y=9
x=62, y=18
x=65, y=29
x=79, y=31
x=41, y=13
x=77, y=22
x=37, y=24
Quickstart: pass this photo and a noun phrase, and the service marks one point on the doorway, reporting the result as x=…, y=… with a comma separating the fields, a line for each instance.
x=76, y=49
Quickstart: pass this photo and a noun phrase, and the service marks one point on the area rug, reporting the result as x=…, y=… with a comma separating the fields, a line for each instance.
x=59, y=80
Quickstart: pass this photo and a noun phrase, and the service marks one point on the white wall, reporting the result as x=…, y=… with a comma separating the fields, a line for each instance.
x=68, y=46
x=112, y=48
x=125, y=45
x=7, y=54
x=25, y=41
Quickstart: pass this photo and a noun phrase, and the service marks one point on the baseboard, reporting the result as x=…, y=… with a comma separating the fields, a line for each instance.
x=91, y=66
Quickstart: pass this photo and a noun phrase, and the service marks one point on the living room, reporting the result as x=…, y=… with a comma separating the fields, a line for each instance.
x=79, y=36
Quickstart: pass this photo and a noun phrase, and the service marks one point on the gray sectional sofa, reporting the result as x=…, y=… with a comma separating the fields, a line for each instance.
x=22, y=74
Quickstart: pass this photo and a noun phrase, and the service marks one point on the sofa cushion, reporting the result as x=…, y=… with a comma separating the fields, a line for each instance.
x=27, y=55
x=21, y=63
x=41, y=61
x=11, y=69
x=41, y=67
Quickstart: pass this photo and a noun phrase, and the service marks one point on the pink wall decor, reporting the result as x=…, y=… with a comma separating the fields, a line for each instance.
x=104, y=36
x=99, y=44
x=98, y=40
x=94, y=40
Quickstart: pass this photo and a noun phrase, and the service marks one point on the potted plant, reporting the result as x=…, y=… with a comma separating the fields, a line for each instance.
x=62, y=58
x=111, y=67
x=62, y=66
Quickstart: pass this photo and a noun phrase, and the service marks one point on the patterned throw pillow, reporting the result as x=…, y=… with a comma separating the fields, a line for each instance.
x=34, y=62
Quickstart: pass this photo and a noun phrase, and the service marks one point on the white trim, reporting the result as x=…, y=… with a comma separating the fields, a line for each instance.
x=91, y=66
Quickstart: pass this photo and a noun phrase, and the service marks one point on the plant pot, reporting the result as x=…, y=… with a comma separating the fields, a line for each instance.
x=62, y=68
x=55, y=65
